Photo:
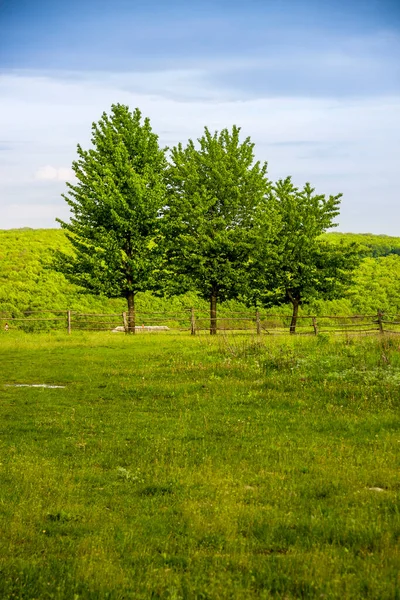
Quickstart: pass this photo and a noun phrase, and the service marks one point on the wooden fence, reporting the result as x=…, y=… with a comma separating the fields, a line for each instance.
x=197, y=321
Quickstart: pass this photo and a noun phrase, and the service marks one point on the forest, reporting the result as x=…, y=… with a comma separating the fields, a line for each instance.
x=27, y=281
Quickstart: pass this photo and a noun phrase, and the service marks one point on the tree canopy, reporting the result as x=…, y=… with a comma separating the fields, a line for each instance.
x=214, y=191
x=304, y=267
x=206, y=220
x=115, y=207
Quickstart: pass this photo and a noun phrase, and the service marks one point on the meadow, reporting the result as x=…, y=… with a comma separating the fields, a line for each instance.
x=179, y=467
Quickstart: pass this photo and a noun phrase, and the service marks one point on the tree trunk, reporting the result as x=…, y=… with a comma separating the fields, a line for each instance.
x=131, y=312
x=213, y=312
x=296, y=304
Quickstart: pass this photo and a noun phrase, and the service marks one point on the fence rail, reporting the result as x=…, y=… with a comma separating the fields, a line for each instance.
x=197, y=321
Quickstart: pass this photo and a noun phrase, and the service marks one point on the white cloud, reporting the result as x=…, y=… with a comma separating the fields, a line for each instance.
x=49, y=173
x=339, y=145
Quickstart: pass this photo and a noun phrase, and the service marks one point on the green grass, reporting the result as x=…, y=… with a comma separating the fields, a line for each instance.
x=199, y=468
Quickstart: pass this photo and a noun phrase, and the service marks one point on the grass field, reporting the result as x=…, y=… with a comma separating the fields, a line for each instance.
x=187, y=467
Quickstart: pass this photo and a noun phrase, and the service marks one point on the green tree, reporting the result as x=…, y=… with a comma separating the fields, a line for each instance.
x=213, y=193
x=115, y=207
x=305, y=267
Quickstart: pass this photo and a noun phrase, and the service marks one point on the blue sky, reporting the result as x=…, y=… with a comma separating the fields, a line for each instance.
x=315, y=84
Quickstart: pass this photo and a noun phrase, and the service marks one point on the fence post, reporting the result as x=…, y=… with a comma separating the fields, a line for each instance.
x=314, y=322
x=258, y=322
x=192, y=322
x=125, y=322
x=69, y=322
x=380, y=321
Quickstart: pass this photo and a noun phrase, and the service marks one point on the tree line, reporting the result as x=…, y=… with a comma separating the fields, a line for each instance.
x=197, y=217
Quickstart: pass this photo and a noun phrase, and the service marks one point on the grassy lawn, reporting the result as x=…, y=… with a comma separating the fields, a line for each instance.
x=178, y=467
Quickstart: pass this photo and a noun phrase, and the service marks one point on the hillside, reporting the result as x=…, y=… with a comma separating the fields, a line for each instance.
x=372, y=245
x=28, y=283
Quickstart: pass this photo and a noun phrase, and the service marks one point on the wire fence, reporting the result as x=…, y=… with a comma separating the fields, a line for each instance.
x=197, y=321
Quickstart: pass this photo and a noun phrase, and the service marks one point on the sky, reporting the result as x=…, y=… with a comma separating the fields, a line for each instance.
x=315, y=84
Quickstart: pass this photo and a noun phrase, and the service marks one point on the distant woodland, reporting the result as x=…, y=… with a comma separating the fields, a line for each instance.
x=27, y=281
